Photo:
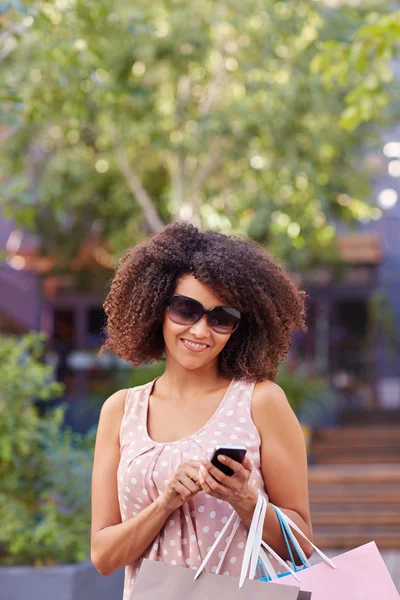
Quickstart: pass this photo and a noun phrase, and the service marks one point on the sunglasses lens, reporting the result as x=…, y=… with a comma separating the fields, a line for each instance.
x=224, y=320
x=184, y=311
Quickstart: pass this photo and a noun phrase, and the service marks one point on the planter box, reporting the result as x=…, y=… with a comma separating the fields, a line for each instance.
x=307, y=432
x=63, y=582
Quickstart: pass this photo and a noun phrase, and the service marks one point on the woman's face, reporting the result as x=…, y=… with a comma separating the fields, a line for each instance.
x=200, y=332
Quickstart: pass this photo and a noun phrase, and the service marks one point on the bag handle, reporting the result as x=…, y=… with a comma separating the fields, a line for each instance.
x=228, y=544
x=217, y=541
x=287, y=534
x=253, y=543
x=256, y=548
x=268, y=566
x=291, y=525
x=280, y=560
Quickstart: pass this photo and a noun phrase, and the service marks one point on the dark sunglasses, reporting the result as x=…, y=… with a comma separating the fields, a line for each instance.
x=187, y=311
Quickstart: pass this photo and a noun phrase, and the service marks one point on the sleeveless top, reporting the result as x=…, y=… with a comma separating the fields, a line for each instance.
x=145, y=466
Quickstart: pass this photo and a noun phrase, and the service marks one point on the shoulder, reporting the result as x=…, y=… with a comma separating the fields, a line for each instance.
x=112, y=411
x=115, y=403
x=271, y=410
x=269, y=395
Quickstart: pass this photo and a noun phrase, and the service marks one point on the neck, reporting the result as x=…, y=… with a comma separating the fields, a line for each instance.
x=182, y=384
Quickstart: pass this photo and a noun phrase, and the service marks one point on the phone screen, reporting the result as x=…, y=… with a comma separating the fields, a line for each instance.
x=235, y=452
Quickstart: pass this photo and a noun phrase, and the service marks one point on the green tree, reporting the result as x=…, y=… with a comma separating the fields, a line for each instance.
x=363, y=64
x=135, y=114
x=45, y=470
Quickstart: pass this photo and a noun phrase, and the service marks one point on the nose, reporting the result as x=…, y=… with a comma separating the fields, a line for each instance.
x=200, y=329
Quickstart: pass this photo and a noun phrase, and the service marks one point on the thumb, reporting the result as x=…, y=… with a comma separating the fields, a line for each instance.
x=247, y=463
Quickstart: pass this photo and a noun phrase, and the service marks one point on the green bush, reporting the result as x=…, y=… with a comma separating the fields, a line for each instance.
x=45, y=470
x=145, y=374
x=310, y=397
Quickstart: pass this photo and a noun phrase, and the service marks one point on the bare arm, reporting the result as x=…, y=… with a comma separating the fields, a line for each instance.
x=115, y=544
x=283, y=466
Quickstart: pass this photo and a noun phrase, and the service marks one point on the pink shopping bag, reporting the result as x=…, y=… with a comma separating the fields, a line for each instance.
x=360, y=574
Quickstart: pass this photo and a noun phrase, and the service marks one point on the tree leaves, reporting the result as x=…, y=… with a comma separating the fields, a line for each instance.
x=363, y=64
x=44, y=470
x=220, y=110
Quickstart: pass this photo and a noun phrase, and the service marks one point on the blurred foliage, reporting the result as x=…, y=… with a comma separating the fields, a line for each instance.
x=382, y=322
x=363, y=64
x=141, y=376
x=309, y=396
x=299, y=386
x=83, y=413
x=45, y=470
x=135, y=114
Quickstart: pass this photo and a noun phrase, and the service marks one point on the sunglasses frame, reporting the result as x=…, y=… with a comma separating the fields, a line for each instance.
x=205, y=312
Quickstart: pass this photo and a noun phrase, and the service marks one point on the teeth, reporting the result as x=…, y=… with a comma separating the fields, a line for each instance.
x=195, y=345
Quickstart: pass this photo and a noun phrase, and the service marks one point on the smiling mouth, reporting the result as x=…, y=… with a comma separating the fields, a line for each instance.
x=196, y=347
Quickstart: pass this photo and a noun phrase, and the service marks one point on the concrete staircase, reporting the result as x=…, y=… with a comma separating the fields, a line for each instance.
x=357, y=445
x=354, y=484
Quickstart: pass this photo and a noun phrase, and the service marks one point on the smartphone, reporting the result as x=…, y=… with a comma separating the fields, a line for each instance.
x=235, y=452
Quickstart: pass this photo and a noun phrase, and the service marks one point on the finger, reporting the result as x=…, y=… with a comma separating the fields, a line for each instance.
x=217, y=474
x=229, y=462
x=204, y=485
x=193, y=463
x=213, y=483
x=187, y=469
x=193, y=473
x=191, y=485
x=182, y=491
x=247, y=463
x=189, y=472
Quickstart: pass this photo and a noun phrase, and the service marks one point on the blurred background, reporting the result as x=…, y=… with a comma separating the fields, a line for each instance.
x=278, y=120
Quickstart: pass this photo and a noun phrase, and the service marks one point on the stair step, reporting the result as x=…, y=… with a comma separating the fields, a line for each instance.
x=322, y=449
x=350, y=459
x=352, y=509
x=362, y=519
x=388, y=454
x=355, y=495
x=344, y=436
x=354, y=487
x=373, y=474
x=370, y=417
x=347, y=537
x=356, y=443
x=387, y=431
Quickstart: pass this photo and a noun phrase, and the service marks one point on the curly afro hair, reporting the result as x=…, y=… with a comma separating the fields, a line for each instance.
x=236, y=268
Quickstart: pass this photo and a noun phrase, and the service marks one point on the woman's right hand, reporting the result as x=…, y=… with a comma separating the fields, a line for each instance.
x=183, y=485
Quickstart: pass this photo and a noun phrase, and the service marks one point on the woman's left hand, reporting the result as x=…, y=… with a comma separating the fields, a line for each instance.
x=231, y=488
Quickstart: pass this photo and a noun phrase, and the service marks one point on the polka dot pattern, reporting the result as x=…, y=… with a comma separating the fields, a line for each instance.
x=146, y=466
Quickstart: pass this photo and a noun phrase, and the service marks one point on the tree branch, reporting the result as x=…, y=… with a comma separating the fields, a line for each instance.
x=212, y=162
x=138, y=190
x=212, y=92
x=176, y=164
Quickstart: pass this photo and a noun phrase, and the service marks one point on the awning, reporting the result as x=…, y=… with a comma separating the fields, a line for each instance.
x=360, y=247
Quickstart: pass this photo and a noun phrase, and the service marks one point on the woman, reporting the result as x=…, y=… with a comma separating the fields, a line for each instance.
x=221, y=311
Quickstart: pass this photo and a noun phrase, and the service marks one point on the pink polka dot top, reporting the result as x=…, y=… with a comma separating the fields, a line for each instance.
x=145, y=467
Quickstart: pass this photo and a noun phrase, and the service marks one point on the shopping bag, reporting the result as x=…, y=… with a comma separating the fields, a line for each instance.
x=157, y=580
x=359, y=574
x=160, y=580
